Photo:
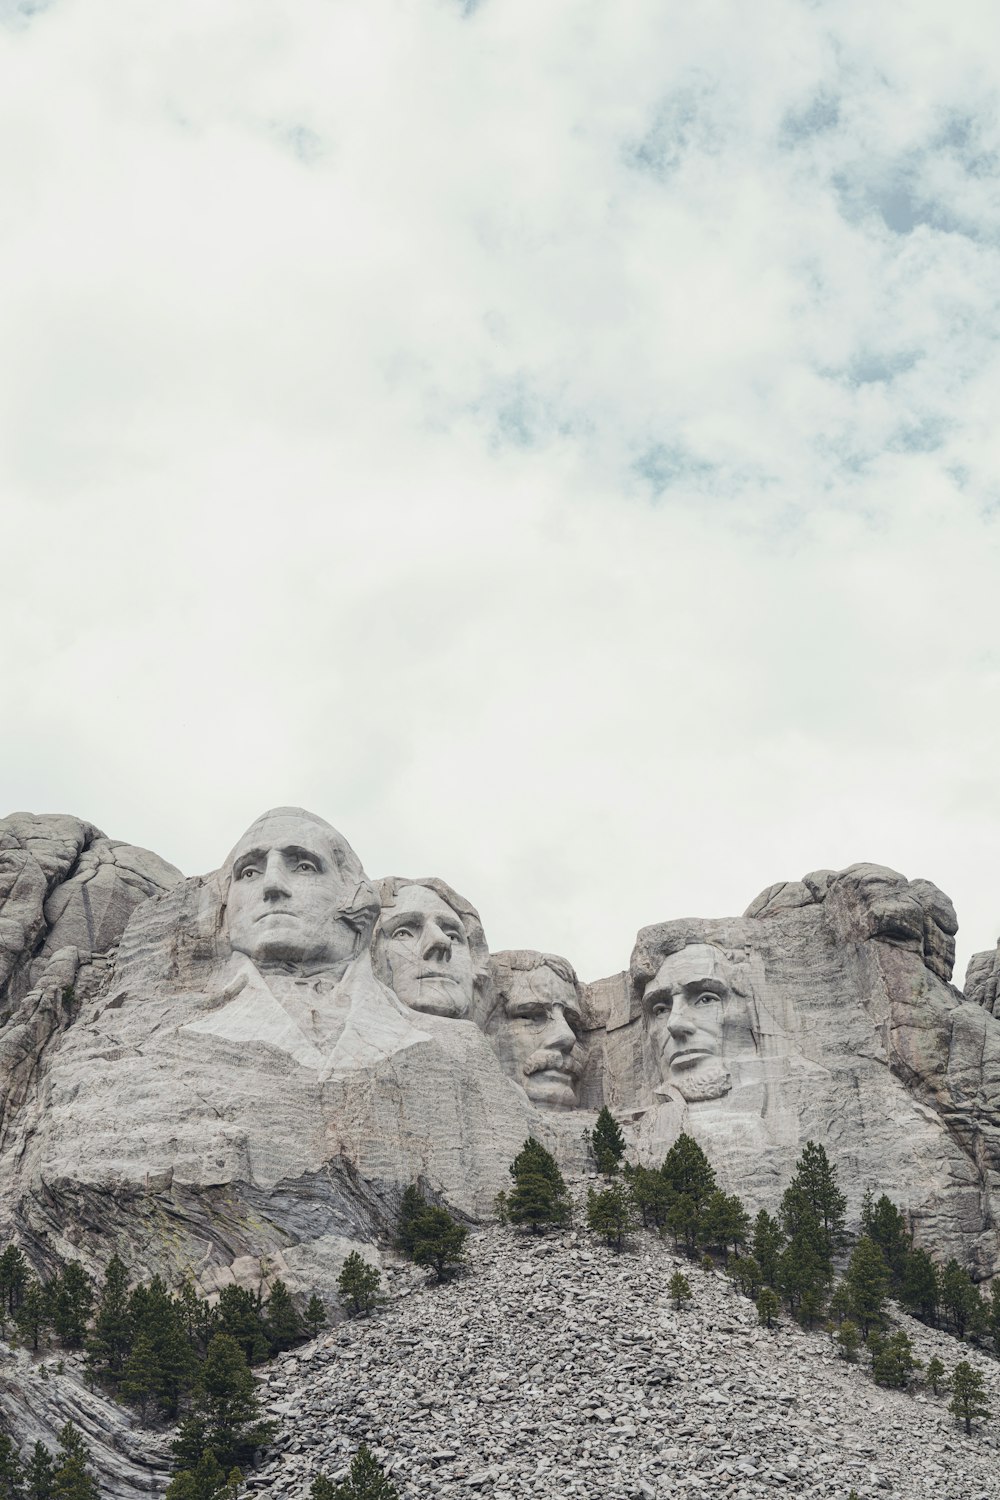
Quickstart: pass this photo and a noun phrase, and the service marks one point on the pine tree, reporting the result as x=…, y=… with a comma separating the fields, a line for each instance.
x=607, y=1142
x=679, y=1288
x=200, y=1321
x=848, y=1340
x=867, y=1283
x=410, y=1209
x=316, y=1317
x=140, y=1382
x=746, y=1274
x=893, y=1360
x=154, y=1312
x=225, y=1415
x=726, y=1223
x=885, y=1225
x=920, y=1292
x=439, y=1242
x=283, y=1324
x=611, y=1213
x=539, y=1197
x=961, y=1299
x=11, y=1471
x=34, y=1316
x=72, y=1478
x=205, y=1481
x=366, y=1482
x=935, y=1374
x=39, y=1474
x=684, y=1221
x=359, y=1284
x=839, y=1306
x=650, y=1195
x=240, y=1314
x=111, y=1336
x=805, y=1271
x=814, y=1195
x=968, y=1400
x=766, y=1246
x=687, y=1171
x=767, y=1307
x=73, y=1304
x=14, y=1274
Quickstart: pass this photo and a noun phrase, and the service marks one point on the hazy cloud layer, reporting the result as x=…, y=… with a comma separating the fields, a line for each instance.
x=555, y=442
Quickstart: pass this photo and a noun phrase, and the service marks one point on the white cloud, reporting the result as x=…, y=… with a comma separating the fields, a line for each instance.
x=557, y=443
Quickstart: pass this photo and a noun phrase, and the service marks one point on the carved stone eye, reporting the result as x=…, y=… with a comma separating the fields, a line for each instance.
x=249, y=873
x=307, y=865
x=706, y=998
x=401, y=932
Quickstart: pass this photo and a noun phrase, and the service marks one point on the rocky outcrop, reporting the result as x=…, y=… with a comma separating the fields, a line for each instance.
x=982, y=980
x=66, y=894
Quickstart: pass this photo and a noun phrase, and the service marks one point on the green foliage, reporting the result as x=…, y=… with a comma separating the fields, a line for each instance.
x=282, y=1324
x=366, y=1482
x=766, y=1245
x=688, y=1172
x=611, y=1212
x=608, y=1143
x=893, y=1360
x=225, y=1412
x=359, y=1284
x=650, y=1194
x=410, y=1209
x=11, y=1471
x=813, y=1201
x=240, y=1314
x=439, y=1242
x=140, y=1382
x=204, y=1481
x=848, y=1340
x=315, y=1315
x=768, y=1307
x=961, y=1300
x=163, y=1321
x=920, y=1291
x=684, y=1221
x=500, y=1209
x=839, y=1306
x=14, y=1274
x=539, y=1197
x=885, y=1226
x=935, y=1375
x=73, y=1304
x=867, y=1284
x=39, y=1474
x=679, y=1288
x=805, y=1270
x=726, y=1222
x=34, y=1315
x=968, y=1399
x=745, y=1272
x=111, y=1337
x=72, y=1478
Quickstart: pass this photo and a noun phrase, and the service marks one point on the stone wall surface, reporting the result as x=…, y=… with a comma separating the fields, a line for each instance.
x=214, y=1070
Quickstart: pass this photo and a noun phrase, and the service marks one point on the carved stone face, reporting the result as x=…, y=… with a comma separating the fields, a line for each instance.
x=538, y=1037
x=288, y=892
x=425, y=950
x=685, y=1004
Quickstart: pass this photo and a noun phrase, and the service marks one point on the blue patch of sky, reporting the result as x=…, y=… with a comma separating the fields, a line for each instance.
x=925, y=435
x=303, y=142
x=821, y=114
x=16, y=13
x=665, y=464
x=681, y=124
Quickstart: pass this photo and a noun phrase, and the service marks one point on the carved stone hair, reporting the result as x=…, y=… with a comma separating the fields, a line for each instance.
x=663, y=939
x=511, y=961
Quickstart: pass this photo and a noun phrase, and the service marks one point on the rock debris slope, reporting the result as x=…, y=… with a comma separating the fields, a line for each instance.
x=556, y=1367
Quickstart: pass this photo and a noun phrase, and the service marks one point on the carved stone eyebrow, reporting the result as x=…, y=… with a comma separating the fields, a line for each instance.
x=292, y=852
x=248, y=857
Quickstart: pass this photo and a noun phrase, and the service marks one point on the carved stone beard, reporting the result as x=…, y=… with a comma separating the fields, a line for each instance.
x=711, y=1083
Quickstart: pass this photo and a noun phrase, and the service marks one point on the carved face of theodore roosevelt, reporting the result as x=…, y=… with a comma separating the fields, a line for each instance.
x=425, y=950
x=685, y=1004
x=537, y=1025
x=297, y=894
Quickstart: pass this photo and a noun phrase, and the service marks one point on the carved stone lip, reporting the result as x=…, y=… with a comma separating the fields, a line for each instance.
x=689, y=1056
x=437, y=974
x=280, y=912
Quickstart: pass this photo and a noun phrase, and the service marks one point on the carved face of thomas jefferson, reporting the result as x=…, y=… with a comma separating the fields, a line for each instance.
x=293, y=894
x=425, y=950
x=685, y=1004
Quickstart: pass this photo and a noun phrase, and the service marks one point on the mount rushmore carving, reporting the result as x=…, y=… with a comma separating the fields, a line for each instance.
x=202, y=1072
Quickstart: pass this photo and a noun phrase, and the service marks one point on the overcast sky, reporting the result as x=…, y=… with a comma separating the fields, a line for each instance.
x=556, y=442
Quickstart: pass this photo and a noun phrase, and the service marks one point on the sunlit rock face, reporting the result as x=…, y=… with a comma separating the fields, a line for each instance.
x=66, y=894
x=823, y=1013
x=537, y=1025
x=430, y=949
x=245, y=1085
x=203, y=1072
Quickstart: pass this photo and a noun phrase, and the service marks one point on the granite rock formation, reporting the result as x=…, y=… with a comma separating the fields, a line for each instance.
x=267, y=1055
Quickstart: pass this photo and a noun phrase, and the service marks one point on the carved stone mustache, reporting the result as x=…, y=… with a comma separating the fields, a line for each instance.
x=554, y=1062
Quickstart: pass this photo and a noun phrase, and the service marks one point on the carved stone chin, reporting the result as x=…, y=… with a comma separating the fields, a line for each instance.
x=695, y=1088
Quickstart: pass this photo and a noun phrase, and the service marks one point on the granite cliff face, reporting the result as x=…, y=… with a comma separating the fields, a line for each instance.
x=203, y=1072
